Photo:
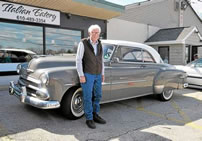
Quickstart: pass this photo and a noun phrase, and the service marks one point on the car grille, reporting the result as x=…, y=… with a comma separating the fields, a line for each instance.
x=26, y=82
x=30, y=85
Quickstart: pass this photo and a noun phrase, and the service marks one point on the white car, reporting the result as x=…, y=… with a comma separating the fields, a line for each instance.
x=10, y=58
x=194, y=73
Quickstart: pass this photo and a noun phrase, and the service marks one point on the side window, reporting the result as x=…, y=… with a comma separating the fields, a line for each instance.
x=5, y=57
x=107, y=51
x=13, y=57
x=147, y=57
x=129, y=54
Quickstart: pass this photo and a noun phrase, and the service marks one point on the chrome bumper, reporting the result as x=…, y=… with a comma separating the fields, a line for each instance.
x=21, y=94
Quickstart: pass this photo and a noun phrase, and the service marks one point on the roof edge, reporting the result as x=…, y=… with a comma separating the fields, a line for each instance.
x=103, y=4
x=165, y=42
x=193, y=30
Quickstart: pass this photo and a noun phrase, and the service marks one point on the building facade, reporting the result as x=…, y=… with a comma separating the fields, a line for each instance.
x=163, y=18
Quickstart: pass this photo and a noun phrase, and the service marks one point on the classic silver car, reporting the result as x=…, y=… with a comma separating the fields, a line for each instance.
x=131, y=70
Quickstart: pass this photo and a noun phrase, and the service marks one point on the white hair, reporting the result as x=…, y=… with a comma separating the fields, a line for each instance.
x=92, y=27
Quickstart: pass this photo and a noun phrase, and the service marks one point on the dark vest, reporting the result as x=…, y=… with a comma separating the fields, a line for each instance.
x=92, y=63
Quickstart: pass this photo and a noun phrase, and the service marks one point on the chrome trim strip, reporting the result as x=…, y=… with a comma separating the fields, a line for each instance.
x=68, y=84
x=103, y=83
x=126, y=67
x=30, y=86
x=33, y=79
x=33, y=87
x=123, y=77
x=21, y=82
x=29, y=70
x=197, y=77
x=115, y=83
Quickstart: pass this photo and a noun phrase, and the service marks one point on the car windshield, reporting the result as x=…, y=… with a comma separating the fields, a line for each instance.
x=196, y=63
x=107, y=51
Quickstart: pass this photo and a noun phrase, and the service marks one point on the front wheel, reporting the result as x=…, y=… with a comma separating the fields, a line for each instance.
x=72, y=104
x=166, y=95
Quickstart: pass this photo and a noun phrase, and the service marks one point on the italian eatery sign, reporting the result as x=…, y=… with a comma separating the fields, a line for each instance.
x=19, y=12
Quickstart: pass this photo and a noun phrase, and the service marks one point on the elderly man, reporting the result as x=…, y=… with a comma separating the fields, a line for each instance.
x=90, y=68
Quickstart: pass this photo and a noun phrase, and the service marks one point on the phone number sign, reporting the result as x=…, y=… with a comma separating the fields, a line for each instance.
x=20, y=12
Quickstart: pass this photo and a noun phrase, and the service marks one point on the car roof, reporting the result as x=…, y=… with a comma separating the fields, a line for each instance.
x=19, y=50
x=154, y=53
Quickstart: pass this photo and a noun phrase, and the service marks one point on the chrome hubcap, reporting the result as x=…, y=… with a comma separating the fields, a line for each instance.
x=168, y=94
x=77, y=104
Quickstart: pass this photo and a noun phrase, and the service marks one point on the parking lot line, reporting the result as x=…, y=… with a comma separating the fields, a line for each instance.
x=159, y=115
x=185, y=117
x=179, y=110
x=186, y=120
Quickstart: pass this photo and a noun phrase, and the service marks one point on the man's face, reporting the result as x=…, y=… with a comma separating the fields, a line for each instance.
x=95, y=34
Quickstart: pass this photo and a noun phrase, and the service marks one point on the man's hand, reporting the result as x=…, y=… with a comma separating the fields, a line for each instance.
x=82, y=79
x=103, y=78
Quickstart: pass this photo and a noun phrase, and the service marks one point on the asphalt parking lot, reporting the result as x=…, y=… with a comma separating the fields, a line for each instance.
x=140, y=119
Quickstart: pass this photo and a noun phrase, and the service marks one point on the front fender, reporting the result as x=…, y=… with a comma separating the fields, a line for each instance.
x=60, y=80
x=167, y=79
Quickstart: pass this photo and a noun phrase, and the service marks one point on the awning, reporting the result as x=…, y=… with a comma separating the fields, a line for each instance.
x=99, y=9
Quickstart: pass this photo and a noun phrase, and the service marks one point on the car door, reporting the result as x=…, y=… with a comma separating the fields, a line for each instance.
x=106, y=85
x=131, y=75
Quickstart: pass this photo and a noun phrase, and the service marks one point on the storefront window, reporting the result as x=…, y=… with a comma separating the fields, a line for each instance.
x=164, y=53
x=61, y=41
x=16, y=36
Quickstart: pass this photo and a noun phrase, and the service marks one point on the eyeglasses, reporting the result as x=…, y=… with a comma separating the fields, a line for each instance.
x=95, y=32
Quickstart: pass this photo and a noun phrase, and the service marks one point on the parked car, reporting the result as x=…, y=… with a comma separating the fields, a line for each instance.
x=10, y=58
x=194, y=73
x=131, y=70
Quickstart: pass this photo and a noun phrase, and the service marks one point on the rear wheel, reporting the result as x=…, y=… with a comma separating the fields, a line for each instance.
x=72, y=104
x=166, y=95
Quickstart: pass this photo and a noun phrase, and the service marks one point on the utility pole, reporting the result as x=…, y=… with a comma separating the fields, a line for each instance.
x=182, y=6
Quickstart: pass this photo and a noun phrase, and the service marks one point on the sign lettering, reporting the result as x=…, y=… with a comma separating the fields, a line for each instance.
x=28, y=14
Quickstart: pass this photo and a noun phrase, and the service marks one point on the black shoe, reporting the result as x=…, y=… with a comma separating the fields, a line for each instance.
x=91, y=124
x=98, y=119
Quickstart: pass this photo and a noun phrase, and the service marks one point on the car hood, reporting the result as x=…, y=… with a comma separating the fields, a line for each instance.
x=44, y=62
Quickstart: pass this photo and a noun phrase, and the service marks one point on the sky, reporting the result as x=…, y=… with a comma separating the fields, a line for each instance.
x=124, y=2
x=196, y=4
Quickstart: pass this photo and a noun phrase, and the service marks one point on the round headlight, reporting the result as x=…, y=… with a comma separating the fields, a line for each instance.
x=44, y=78
x=18, y=68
